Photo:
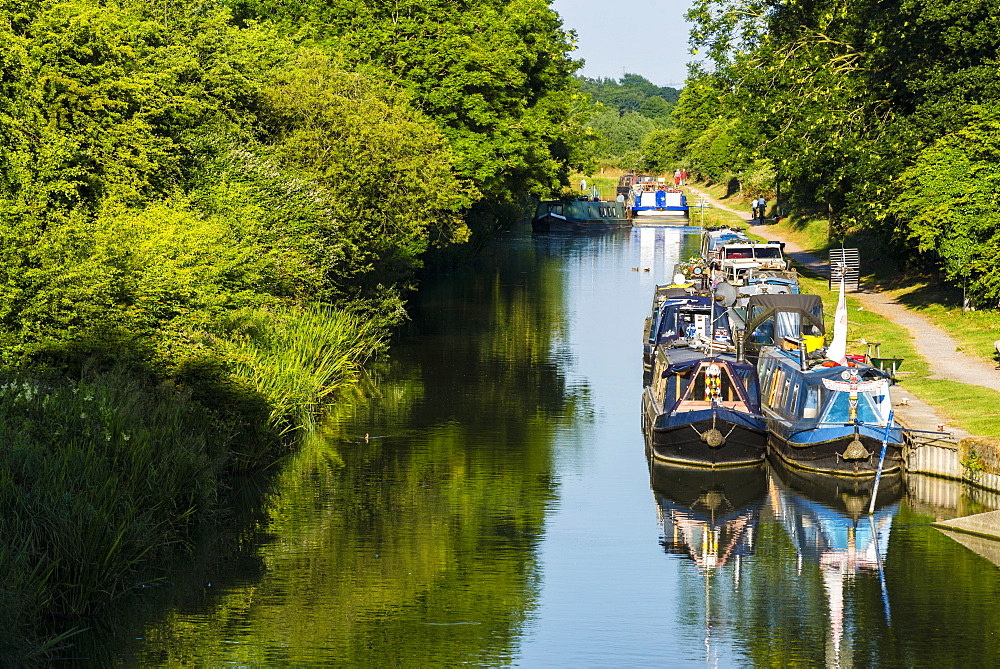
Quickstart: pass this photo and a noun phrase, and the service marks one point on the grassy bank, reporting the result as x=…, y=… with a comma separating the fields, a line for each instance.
x=102, y=473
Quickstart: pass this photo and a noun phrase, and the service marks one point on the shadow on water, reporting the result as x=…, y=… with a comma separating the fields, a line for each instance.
x=498, y=510
x=405, y=531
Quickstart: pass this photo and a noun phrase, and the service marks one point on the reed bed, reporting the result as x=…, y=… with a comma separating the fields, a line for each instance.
x=299, y=360
x=95, y=474
x=98, y=475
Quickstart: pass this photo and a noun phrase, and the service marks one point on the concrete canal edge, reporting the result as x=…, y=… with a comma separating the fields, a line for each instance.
x=982, y=526
x=971, y=460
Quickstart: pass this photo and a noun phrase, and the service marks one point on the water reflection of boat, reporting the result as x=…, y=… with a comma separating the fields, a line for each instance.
x=827, y=522
x=709, y=516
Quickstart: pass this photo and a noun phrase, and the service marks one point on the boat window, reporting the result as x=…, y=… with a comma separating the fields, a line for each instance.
x=769, y=252
x=663, y=384
x=811, y=407
x=788, y=324
x=763, y=333
x=700, y=391
x=793, y=401
x=748, y=377
x=555, y=209
x=776, y=380
x=682, y=379
x=838, y=409
x=766, y=374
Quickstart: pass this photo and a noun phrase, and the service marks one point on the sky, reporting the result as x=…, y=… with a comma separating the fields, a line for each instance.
x=647, y=37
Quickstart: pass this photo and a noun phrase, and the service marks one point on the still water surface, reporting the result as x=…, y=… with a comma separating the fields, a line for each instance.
x=502, y=512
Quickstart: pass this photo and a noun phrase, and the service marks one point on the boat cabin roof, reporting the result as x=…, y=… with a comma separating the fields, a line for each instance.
x=764, y=306
x=816, y=374
x=713, y=238
x=683, y=359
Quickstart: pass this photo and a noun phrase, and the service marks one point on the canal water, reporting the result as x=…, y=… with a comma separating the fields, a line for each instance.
x=488, y=502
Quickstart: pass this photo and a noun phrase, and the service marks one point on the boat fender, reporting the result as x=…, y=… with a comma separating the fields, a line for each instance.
x=856, y=451
x=713, y=438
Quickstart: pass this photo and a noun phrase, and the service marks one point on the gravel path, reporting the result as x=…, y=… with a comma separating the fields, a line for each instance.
x=931, y=342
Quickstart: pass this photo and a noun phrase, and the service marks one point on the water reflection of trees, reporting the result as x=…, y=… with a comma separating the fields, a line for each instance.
x=419, y=549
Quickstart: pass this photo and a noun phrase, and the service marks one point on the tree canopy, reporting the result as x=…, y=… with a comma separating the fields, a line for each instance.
x=840, y=101
x=627, y=118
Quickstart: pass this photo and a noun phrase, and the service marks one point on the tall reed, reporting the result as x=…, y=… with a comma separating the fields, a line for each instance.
x=100, y=473
x=94, y=476
x=298, y=360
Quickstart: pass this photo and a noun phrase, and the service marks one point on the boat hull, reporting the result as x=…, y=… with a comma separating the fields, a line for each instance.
x=660, y=218
x=825, y=453
x=683, y=439
x=557, y=224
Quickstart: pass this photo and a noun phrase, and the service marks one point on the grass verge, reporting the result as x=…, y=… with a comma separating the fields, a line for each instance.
x=101, y=474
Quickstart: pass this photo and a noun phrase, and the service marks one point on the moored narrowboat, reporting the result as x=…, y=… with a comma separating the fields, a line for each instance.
x=678, y=313
x=580, y=215
x=702, y=409
x=821, y=415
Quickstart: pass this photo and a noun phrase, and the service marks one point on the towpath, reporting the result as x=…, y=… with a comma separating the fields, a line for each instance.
x=931, y=342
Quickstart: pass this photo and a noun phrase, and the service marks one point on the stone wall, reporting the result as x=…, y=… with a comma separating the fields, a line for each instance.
x=975, y=460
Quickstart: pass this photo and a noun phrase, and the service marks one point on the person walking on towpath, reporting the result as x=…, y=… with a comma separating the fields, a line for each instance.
x=684, y=176
x=761, y=208
x=753, y=208
x=677, y=177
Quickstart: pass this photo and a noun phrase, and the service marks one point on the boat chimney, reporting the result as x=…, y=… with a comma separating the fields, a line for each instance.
x=803, y=356
x=740, y=346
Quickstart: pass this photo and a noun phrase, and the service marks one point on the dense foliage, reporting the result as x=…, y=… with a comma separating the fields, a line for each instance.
x=846, y=108
x=632, y=122
x=222, y=207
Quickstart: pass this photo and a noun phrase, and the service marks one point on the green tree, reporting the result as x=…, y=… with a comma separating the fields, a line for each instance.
x=948, y=202
x=495, y=75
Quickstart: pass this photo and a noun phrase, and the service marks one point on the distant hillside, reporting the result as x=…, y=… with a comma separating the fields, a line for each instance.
x=631, y=93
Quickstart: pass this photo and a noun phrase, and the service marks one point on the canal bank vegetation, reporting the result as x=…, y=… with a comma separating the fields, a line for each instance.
x=881, y=122
x=209, y=218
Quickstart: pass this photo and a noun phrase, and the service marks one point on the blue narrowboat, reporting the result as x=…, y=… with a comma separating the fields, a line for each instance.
x=821, y=415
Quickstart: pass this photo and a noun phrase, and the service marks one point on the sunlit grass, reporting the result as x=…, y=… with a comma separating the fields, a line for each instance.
x=972, y=408
x=299, y=359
